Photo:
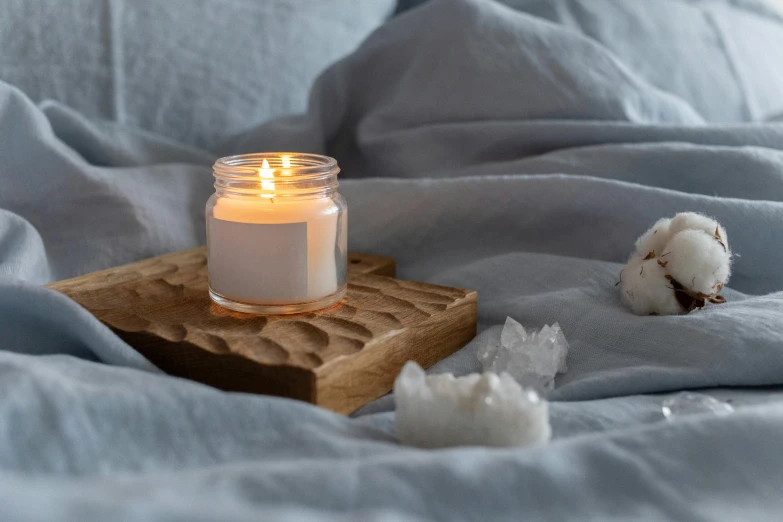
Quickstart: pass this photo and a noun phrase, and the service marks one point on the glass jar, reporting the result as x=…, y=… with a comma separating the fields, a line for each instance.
x=276, y=233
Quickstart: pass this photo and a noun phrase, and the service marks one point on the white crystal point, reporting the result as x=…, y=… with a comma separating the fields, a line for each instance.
x=513, y=333
x=532, y=358
x=689, y=403
x=562, y=348
x=487, y=352
x=486, y=409
x=411, y=375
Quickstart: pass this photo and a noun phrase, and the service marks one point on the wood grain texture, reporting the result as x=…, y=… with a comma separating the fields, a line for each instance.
x=339, y=358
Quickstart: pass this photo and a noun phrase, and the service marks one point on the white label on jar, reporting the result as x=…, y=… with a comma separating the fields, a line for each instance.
x=255, y=263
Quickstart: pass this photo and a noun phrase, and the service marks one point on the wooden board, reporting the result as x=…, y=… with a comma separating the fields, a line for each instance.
x=339, y=358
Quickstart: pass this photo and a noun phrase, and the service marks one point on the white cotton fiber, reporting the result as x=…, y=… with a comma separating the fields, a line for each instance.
x=698, y=262
x=654, y=239
x=646, y=290
x=694, y=221
x=488, y=409
x=679, y=265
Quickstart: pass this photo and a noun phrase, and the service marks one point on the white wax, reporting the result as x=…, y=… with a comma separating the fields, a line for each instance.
x=321, y=216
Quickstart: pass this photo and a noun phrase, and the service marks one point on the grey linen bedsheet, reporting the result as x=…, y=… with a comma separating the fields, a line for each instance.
x=481, y=148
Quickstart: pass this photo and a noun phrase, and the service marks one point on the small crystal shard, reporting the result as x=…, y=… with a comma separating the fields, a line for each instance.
x=689, y=403
x=532, y=358
x=487, y=409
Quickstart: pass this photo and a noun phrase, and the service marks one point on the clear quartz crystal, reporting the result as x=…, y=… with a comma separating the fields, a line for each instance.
x=532, y=358
x=438, y=411
x=689, y=403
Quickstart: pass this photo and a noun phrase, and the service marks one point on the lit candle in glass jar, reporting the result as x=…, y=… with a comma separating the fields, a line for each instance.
x=276, y=233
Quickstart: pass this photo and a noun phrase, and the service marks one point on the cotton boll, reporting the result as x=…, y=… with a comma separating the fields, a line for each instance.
x=646, y=290
x=694, y=221
x=697, y=261
x=654, y=239
x=680, y=265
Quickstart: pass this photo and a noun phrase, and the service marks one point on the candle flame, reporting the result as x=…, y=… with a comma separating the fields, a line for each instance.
x=267, y=173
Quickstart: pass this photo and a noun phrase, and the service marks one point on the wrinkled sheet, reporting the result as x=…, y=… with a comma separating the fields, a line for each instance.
x=481, y=148
x=197, y=71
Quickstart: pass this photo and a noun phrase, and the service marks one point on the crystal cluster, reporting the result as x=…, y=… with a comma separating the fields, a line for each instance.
x=532, y=358
x=487, y=409
x=689, y=403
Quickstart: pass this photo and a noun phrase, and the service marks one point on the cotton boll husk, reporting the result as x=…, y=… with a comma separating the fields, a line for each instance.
x=693, y=221
x=654, y=239
x=645, y=289
x=698, y=261
x=439, y=411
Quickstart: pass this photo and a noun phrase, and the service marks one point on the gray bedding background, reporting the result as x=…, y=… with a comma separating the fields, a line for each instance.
x=196, y=71
x=481, y=147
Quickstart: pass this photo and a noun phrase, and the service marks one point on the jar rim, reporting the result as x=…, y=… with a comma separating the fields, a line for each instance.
x=295, y=164
x=276, y=174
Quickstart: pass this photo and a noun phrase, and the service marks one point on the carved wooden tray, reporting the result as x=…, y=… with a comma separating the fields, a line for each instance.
x=339, y=358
